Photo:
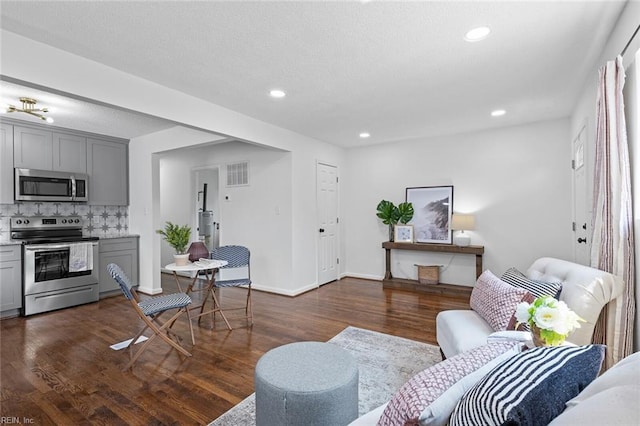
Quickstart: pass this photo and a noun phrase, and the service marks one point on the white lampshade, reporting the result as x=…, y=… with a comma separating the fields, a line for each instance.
x=462, y=222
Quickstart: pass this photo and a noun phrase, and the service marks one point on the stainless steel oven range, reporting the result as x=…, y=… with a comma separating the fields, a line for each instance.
x=60, y=267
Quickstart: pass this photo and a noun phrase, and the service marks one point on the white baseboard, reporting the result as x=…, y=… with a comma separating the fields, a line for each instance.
x=148, y=290
x=363, y=276
x=283, y=292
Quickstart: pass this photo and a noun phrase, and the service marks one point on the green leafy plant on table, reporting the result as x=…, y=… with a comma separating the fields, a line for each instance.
x=177, y=236
x=390, y=214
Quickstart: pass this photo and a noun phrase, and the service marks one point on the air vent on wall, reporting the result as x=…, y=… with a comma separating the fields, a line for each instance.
x=238, y=174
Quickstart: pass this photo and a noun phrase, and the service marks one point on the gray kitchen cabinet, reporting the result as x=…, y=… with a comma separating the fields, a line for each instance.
x=123, y=252
x=107, y=166
x=10, y=279
x=46, y=150
x=69, y=153
x=6, y=163
x=32, y=148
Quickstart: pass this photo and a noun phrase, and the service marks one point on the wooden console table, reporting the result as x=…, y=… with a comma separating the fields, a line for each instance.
x=390, y=282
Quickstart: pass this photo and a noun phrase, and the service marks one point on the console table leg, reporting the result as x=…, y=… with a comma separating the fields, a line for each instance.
x=387, y=274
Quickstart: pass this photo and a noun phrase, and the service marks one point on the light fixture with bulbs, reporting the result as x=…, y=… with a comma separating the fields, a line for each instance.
x=29, y=107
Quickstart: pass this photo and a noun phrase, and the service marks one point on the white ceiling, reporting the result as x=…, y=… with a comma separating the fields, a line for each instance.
x=399, y=70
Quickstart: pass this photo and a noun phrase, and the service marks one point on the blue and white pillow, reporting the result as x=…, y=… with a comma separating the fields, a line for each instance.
x=530, y=388
x=537, y=288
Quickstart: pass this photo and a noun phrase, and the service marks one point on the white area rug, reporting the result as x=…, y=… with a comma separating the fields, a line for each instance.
x=385, y=362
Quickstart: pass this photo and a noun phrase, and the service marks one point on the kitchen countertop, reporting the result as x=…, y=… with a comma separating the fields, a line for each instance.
x=109, y=236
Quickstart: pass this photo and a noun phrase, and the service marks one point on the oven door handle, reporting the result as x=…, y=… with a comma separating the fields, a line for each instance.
x=39, y=249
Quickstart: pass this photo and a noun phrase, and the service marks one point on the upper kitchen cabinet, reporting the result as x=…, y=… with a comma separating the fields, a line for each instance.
x=6, y=163
x=32, y=148
x=107, y=166
x=45, y=150
x=69, y=153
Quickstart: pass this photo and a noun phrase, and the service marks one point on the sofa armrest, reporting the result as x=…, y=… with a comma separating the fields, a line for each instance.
x=585, y=290
x=458, y=331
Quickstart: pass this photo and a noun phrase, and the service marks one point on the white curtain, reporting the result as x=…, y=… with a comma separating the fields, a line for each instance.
x=612, y=248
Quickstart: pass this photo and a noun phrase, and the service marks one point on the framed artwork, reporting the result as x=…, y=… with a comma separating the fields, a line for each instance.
x=433, y=206
x=403, y=233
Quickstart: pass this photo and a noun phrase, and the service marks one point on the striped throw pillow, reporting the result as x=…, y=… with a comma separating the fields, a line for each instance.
x=530, y=388
x=537, y=288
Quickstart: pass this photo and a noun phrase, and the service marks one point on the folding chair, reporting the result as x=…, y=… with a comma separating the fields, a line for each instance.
x=149, y=310
x=238, y=258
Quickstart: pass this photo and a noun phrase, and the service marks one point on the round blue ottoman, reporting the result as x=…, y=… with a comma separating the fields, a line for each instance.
x=306, y=383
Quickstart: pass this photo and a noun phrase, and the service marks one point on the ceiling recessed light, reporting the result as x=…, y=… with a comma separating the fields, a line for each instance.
x=364, y=135
x=477, y=34
x=498, y=113
x=277, y=93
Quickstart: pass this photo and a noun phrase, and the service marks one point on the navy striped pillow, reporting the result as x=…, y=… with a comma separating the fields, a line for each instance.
x=530, y=388
x=537, y=288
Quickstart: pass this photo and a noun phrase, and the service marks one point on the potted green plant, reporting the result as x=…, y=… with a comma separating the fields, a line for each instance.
x=392, y=214
x=178, y=237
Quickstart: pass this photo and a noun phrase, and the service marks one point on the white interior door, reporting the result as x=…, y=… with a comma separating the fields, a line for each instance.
x=581, y=209
x=327, y=206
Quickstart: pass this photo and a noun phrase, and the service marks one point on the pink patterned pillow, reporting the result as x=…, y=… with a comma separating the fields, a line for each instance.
x=495, y=301
x=430, y=396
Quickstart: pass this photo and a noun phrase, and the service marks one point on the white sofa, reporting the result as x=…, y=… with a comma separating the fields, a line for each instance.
x=584, y=289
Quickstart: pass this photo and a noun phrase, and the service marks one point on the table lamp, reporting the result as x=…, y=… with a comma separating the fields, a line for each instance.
x=462, y=222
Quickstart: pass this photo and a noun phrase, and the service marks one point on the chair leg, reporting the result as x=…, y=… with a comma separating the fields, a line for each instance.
x=157, y=332
x=166, y=326
x=217, y=308
x=193, y=339
x=249, y=308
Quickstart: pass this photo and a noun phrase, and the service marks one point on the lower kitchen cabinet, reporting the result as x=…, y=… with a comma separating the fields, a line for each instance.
x=123, y=252
x=10, y=280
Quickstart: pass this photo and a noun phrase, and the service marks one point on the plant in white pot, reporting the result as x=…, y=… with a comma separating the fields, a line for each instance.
x=178, y=237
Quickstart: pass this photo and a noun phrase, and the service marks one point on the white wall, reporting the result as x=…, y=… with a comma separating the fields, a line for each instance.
x=144, y=195
x=585, y=109
x=257, y=215
x=515, y=180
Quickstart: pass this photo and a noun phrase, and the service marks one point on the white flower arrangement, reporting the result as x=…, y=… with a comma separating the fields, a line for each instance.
x=552, y=317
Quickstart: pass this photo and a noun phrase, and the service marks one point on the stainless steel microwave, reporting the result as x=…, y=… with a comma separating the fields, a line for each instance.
x=45, y=185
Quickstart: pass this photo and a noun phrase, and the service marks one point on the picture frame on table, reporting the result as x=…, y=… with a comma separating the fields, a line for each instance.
x=403, y=233
x=433, y=207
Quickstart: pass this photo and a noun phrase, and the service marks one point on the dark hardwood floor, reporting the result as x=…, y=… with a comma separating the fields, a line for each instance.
x=57, y=368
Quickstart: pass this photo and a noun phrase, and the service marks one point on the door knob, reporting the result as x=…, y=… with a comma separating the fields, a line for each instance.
x=321, y=229
x=582, y=240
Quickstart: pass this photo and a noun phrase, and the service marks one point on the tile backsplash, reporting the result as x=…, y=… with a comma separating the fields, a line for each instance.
x=99, y=221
